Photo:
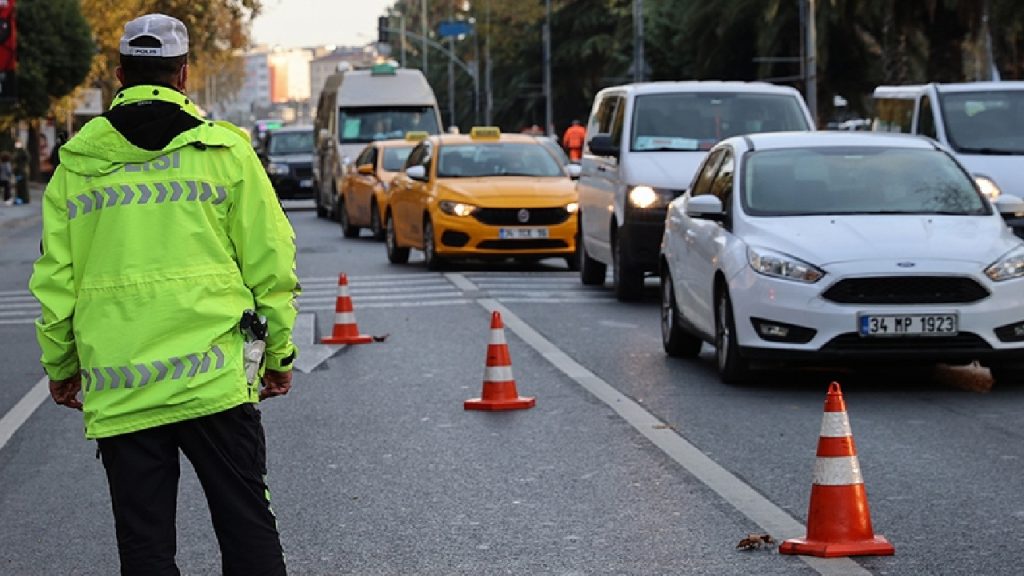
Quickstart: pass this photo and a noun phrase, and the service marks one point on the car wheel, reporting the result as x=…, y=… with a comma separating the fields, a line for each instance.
x=433, y=261
x=732, y=369
x=347, y=229
x=592, y=272
x=375, y=226
x=396, y=254
x=677, y=342
x=629, y=282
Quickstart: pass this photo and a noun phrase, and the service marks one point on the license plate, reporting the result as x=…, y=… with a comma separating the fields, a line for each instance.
x=871, y=325
x=305, y=184
x=520, y=233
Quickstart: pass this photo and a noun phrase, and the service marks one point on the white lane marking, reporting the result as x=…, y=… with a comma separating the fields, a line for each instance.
x=21, y=411
x=13, y=322
x=741, y=496
x=461, y=282
x=423, y=304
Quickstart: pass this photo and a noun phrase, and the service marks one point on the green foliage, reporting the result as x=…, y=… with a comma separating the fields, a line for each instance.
x=55, y=50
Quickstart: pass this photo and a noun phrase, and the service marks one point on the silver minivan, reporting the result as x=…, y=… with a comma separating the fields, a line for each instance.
x=644, y=143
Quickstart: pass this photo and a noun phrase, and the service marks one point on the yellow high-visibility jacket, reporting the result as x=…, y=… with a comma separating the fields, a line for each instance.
x=150, y=256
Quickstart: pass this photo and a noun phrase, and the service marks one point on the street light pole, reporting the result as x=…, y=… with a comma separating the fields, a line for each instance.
x=548, y=120
x=489, y=100
x=423, y=32
x=638, y=41
x=811, y=69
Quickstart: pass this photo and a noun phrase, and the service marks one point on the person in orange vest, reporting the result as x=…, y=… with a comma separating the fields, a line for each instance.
x=573, y=140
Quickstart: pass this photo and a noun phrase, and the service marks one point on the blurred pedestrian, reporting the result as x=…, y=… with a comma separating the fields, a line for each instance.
x=6, y=178
x=62, y=137
x=19, y=163
x=573, y=139
x=152, y=306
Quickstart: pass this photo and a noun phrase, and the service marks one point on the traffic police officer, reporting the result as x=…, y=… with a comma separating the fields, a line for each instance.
x=159, y=230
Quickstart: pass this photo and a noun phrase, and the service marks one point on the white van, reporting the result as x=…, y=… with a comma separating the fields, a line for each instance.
x=982, y=123
x=360, y=106
x=644, y=143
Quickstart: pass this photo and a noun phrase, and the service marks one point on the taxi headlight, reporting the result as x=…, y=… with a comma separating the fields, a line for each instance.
x=779, y=265
x=1009, y=266
x=988, y=187
x=572, y=207
x=277, y=169
x=456, y=208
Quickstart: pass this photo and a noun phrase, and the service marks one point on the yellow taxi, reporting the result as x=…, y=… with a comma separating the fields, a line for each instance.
x=481, y=195
x=364, y=189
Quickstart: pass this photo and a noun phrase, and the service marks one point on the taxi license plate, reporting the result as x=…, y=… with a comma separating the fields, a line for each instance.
x=305, y=184
x=872, y=325
x=521, y=233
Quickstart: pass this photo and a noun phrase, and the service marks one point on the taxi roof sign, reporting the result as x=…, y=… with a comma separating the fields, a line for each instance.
x=383, y=69
x=485, y=133
x=415, y=135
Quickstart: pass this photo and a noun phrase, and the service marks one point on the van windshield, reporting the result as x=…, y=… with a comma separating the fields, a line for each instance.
x=697, y=120
x=284, y=143
x=362, y=125
x=990, y=122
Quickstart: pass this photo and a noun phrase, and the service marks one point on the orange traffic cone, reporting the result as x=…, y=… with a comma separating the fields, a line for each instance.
x=838, y=519
x=499, y=386
x=345, y=330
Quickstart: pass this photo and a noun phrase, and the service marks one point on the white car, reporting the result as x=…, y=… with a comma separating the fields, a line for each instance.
x=840, y=248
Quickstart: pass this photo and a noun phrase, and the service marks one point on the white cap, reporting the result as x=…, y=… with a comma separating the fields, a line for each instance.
x=169, y=32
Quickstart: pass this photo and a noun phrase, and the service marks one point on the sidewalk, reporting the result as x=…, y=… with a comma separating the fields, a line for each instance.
x=18, y=215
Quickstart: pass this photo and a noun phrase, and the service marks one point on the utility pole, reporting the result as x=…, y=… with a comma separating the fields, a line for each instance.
x=488, y=99
x=451, y=72
x=811, y=68
x=423, y=33
x=638, y=41
x=401, y=21
x=548, y=114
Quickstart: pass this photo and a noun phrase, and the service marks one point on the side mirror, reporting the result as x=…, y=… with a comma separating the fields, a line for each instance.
x=604, y=146
x=417, y=173
x=366, y=169
x=575, y=170
x=705, y=206
x=325, y=137
x=1009, y=205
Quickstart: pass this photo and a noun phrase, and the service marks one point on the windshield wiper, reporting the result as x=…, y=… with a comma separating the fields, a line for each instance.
x=668, y=149
x=989, y=151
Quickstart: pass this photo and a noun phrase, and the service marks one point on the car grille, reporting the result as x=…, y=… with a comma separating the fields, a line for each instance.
x=535, y=244
x=851, y=341
x=906, y=290
x=510, y=216
x=302, y=171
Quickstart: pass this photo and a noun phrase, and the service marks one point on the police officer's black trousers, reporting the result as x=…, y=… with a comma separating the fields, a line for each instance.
x=228, y=452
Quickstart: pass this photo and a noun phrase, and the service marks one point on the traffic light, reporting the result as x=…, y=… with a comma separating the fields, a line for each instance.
x=382, y=29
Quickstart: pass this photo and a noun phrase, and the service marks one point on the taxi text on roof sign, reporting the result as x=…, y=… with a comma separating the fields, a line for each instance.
x=415, y=135
x=485, y=133
x=382, y=70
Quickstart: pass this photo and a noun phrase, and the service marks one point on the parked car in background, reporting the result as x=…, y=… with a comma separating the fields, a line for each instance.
x=981, y=122
x=644, y=142
x=364, y=191
x=357, y=107
x=841, y=248
x=479, y=196
x=288, y=158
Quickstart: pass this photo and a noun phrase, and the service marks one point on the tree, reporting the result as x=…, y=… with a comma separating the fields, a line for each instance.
x=54, y=53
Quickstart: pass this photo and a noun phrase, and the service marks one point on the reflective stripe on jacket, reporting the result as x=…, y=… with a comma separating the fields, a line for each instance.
x=149, y=258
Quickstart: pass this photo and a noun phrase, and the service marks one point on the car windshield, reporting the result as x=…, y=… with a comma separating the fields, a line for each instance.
x=361, y=125
x=498, y=159
x=283, y=143
x=394, y=157
x=697, y=120
x=990, y=122
x=857, y=180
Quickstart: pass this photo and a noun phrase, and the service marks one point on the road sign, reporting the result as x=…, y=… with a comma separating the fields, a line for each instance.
x=454, y=28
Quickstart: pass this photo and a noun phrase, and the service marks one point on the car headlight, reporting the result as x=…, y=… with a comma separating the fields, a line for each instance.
x=648, y=197
x=1010, y=265
x=277, y=169
x=988, y=187
x=572, y=207
x=778, y=265
x=456, y=208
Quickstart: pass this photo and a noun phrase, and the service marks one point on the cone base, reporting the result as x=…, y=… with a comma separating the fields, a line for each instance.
x=357, y=339
x=520, y=403
x=876, y=546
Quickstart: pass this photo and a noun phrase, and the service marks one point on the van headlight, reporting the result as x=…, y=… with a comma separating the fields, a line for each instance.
x=988, y=187
x=647, y=197
x=456, y=208
x=277, y=169
x=779, y=265
x=1009, y=266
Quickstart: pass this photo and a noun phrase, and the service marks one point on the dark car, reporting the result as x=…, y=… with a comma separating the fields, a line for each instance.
x=288, y=158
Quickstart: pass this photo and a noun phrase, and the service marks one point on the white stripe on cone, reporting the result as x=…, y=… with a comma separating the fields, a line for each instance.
x=498, y=374
x=835, y=425
x=344, y=318
x=841, y=471
x=497, y=336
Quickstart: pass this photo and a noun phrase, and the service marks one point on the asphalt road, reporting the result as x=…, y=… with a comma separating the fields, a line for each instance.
x=630, y=463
